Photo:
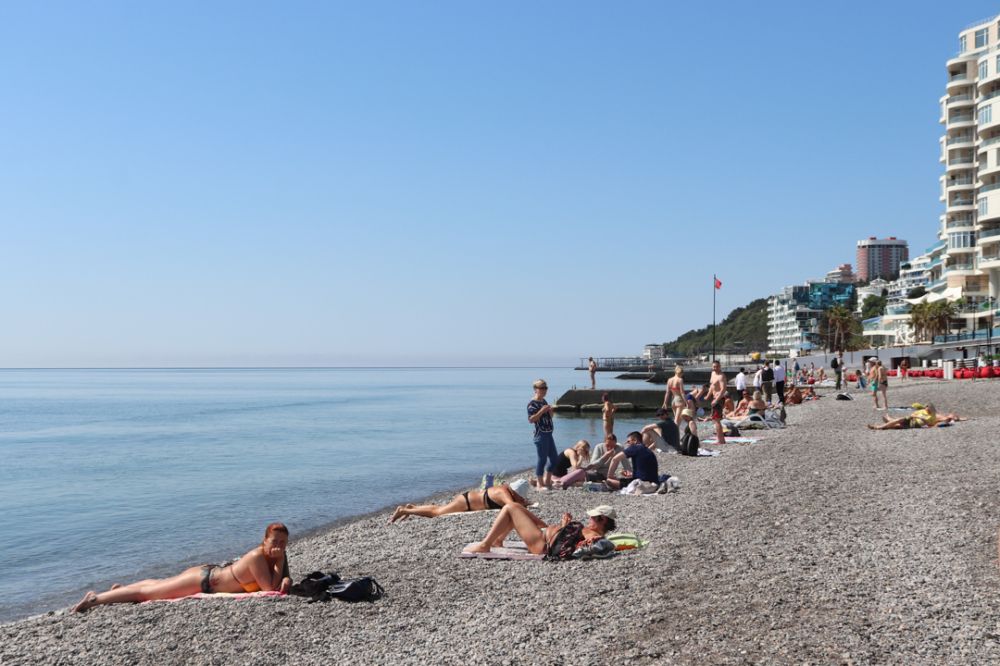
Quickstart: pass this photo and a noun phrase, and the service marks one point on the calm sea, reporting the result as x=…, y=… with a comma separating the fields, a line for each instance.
x=115, y=475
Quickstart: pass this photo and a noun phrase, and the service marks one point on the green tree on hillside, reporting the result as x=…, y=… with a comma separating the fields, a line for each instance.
x=873, y=306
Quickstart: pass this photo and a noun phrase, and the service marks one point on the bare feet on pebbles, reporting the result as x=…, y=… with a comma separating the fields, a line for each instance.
x=89, y=599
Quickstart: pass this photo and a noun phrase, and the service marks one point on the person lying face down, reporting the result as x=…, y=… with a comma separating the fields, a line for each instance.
x=472, y=500
x=922, y=416
x=537, y=535
x=263, y=568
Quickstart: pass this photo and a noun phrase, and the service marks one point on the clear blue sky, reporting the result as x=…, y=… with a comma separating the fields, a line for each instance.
x=318, y=183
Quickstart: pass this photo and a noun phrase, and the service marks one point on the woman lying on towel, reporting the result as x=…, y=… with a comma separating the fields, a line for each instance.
x=538, y=536
x=472, y=500
x=263, y=568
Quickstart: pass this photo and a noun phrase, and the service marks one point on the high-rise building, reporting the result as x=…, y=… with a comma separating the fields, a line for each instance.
x=880, y=258
x=970, y=185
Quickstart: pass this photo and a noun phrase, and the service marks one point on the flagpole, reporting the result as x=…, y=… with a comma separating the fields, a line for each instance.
x=714, y=282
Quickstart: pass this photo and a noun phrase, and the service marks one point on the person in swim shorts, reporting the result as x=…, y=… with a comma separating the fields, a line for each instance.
x=263, y=568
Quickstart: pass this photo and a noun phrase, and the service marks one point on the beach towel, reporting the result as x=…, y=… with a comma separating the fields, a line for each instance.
x=708, y=453
x=624, y=541
x=511, y=550
x=639, y=487
x=729, y=440
x=224, y=596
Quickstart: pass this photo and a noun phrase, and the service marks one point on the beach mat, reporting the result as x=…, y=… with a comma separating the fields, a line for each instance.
x=511, y=550
x=224, y=596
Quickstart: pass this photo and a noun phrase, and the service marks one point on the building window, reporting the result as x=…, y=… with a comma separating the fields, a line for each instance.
x=982, y=207
x=986, y=115
x=998, y=64
x=984, y=69
x=962, y=239
x=961, y=44
x=982, y=37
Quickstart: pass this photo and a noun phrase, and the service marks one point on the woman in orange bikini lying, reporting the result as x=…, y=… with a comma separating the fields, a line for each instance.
x=263, y=568
x=471, y=500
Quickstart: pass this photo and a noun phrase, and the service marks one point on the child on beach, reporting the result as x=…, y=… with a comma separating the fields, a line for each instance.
x=263, y=568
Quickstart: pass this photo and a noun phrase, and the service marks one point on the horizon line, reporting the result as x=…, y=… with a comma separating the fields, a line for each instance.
x=288, y=367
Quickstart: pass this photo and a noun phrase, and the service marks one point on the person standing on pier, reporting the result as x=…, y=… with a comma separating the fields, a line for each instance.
x=717, y=396
x=540, y=414
x=592, y=366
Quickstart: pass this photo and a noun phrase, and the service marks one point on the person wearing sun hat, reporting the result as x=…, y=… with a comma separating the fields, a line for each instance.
x=540, y=538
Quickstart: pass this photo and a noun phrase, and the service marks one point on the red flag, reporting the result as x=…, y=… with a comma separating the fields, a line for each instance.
x=718, y=283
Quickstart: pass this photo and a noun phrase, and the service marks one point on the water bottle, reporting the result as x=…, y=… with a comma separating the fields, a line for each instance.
x=488, y=483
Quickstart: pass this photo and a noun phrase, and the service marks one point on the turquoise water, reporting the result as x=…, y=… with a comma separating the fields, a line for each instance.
x=114, y=475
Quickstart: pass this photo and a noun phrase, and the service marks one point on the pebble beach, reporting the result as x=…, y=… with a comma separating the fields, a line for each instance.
x=823, y=543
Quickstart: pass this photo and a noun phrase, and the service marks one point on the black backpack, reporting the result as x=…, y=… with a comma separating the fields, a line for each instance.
x=834, y=364
x=689, y=443
x=319, y=586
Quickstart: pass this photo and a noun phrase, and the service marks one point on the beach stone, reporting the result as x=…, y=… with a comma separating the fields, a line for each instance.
x=821, y=543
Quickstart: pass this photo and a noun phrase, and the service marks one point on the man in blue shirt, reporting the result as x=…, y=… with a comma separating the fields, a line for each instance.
x=644, y=463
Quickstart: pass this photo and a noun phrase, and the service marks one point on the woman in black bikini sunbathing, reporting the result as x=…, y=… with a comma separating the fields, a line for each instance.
x=471, y=500
x=537, y=536
x=263, y=568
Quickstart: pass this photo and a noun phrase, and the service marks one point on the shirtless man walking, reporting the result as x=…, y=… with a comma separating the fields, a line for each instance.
x=717, y=395
x=592, y=366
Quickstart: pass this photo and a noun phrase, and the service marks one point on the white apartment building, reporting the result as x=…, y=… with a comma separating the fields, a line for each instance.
x=652, y=352
x=970, y=186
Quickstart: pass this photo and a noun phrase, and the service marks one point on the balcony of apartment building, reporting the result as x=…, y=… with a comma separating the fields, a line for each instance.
x=959, y=202
x=959, y=119
x=959, y=182
x=962, y=221
x=963, y=264
x=960, y=100
x=959, y=80
x=989, y=248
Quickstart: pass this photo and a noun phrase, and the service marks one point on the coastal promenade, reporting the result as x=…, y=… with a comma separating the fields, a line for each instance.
x=823, y=543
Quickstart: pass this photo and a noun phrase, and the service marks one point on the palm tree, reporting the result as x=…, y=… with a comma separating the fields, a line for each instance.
x=939, y=317
x=839, y=322
x=919, y=320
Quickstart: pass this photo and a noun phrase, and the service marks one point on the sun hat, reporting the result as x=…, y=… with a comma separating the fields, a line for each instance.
x=603, y=510
x=688, y=413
